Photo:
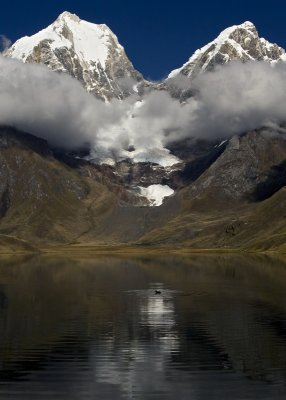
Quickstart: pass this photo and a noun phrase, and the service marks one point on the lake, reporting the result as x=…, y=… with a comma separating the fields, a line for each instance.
x=193, y=327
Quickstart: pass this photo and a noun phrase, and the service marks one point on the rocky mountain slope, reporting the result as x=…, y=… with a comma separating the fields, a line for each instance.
x=239, y=42
x=49, y=199
x=88, y=52
x=92, y=54
x=42, y=198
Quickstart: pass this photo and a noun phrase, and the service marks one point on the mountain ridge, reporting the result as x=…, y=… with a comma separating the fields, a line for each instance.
x=239, y=42
x=67, y=46
x=60, y=46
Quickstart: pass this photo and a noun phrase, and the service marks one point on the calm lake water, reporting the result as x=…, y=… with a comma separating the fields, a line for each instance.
x=97, y=329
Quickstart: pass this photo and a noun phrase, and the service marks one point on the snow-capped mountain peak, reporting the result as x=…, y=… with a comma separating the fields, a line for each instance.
x=89, y=52
x=238, y=42
x=67, y=15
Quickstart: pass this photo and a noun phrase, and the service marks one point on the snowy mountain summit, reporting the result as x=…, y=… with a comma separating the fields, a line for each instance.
x=89, y=52
x=92, y=54
x=239, y=42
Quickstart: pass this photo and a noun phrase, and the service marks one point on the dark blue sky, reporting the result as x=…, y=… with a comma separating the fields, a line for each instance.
x=158, y=36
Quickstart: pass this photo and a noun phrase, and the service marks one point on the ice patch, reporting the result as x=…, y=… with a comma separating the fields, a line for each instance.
x=156, y=193
x=221, y=143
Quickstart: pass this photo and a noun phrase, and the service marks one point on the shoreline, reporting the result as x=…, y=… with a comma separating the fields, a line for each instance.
x=107, y=250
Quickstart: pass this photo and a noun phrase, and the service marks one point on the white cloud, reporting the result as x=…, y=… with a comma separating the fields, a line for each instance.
x=232, y=99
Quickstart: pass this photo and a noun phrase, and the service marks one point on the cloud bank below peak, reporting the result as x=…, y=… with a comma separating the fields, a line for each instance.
x=232, y=99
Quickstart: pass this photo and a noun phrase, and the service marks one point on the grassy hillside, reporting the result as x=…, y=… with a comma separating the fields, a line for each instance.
x=47, y=202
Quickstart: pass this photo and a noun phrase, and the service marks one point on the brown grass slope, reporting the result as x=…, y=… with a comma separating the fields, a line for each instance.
x=236, y=203
x=42, y=200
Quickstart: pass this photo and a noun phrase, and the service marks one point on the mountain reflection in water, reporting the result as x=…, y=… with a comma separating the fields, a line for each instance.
x=198, y=327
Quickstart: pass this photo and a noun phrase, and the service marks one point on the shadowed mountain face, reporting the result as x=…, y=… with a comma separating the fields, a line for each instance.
x=41, y=197
x=51, y=198
x=243, y=168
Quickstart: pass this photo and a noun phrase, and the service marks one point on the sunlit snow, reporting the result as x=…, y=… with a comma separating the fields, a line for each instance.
x=90, y=41
x=156, y=193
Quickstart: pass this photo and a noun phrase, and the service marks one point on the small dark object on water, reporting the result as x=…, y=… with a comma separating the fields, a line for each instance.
x=158, y=291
